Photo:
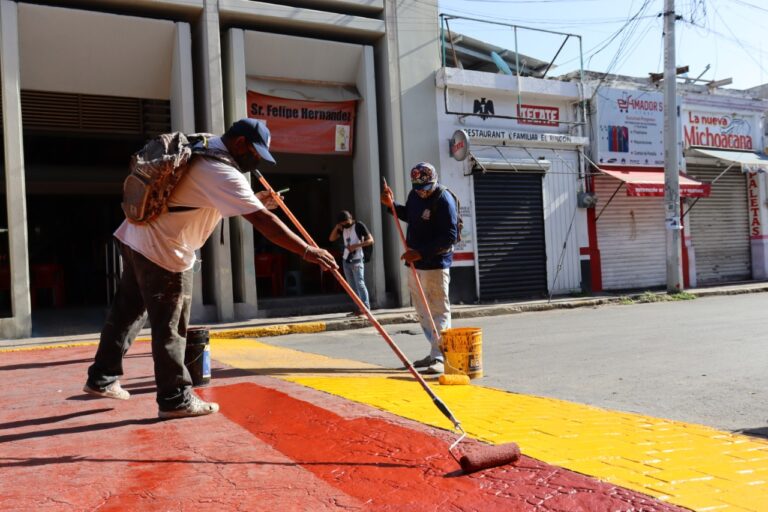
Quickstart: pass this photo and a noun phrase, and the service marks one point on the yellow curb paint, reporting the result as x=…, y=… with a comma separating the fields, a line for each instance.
x=690, y=465
x=269, y=330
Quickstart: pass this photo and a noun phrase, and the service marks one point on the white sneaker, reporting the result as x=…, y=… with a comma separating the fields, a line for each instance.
x=196, y=407
x=436, y=368
x=114, y=390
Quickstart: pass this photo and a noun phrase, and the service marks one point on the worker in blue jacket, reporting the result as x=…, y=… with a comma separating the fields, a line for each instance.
x=432, y=218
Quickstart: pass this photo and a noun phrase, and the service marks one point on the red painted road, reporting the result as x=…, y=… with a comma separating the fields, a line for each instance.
x=275, y=446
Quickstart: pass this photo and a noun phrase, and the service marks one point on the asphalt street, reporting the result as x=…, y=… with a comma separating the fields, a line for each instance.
x=702, y=361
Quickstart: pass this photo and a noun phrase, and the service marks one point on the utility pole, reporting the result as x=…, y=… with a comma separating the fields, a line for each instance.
x=671, y=150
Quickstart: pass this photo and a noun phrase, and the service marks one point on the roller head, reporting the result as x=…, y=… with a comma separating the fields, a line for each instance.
x=453, y=380
x=484, y=457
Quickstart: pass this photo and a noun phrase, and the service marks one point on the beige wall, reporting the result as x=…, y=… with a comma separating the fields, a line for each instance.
x=74, y=51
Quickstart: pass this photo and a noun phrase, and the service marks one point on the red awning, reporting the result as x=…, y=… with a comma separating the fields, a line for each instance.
x=651, y=183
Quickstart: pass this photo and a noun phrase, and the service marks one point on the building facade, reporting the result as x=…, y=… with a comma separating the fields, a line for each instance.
x=721, y=139
x=511, y=148
x=84, y=84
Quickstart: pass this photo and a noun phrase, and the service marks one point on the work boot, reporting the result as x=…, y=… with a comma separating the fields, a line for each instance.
x=425, y=362
x=436, y=368
x=196, y=407
x=114, y=390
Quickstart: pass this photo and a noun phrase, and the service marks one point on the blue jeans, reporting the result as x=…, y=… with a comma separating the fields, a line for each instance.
x=355, y=275
x=435, y=284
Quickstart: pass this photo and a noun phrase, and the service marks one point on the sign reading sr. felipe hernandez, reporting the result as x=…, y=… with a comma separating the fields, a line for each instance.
x=306, y=127
x=499, y=137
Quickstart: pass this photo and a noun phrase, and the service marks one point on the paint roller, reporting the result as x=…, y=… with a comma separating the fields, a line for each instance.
x=453, y=379
x=475, y=461
x=478, y=458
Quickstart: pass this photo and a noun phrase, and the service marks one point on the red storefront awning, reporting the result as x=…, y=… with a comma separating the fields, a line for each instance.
x=651, y=183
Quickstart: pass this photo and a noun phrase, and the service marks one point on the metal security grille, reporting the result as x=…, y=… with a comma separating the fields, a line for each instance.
x=719, y=227
x=510, y=235
x=631, y=238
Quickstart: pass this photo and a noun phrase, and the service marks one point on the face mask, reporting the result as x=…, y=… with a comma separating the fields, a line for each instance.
x=247, y=161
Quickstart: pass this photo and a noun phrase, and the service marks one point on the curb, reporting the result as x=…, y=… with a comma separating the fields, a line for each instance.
x=342, y=324
x=491, y=310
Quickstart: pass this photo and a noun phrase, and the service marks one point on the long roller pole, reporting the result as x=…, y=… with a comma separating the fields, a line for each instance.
x=347, y=288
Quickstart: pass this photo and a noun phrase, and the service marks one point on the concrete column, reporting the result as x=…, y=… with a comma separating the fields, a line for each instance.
x=366, y=173
x=757, y=195
x=236, y=107
x=20, y=324
x=407, y=61
x=183, y=115
x=210, y=110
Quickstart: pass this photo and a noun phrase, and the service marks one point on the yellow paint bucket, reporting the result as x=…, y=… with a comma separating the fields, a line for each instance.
x=463, y=351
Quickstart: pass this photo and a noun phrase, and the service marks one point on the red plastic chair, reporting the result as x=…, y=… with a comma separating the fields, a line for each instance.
x=269, y=265
x=48, y=276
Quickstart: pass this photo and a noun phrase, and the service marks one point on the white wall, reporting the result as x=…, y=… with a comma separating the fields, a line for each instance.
x=562, y=219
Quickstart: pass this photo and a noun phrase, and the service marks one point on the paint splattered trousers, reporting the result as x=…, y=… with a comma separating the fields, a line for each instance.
x=435, y=284
x=147, y=289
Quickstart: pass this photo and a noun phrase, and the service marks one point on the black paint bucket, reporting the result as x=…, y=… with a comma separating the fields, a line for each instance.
x=197, y=357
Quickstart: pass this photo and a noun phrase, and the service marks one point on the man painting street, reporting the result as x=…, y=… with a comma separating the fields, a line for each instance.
x=432, y=218
x=158, y=258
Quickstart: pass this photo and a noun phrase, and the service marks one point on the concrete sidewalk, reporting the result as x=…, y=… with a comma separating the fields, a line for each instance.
x=260, y=327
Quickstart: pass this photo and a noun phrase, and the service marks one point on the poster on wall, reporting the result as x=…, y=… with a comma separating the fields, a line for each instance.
x=464, y=250
x=305, y=127
x=630, y=128
x=718, y=130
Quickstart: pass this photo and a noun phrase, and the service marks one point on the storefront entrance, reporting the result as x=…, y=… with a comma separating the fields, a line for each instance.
x=510, y=235
x=719, y=227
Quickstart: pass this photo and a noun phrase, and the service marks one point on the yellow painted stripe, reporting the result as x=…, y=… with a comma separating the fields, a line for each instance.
x=693, y=466
x=59, y=345
x=245, y=332
x=266, y=359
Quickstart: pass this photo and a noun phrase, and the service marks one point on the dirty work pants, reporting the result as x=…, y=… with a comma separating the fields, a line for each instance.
x=354, y=272
x=147, y=289
x=435, y=284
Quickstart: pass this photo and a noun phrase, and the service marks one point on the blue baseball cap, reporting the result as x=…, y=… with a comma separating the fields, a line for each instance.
x=257, y=134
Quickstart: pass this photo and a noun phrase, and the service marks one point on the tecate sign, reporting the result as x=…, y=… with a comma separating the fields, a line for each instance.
x=459, y=145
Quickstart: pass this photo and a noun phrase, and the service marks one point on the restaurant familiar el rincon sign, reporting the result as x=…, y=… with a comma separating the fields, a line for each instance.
x=501, y=137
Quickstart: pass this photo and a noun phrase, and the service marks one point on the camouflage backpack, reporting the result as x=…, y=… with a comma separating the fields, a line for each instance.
x=157, y=168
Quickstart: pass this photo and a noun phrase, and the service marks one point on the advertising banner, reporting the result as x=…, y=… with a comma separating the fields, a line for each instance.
x=630, y=128
x=305, y=127
x=718, y=130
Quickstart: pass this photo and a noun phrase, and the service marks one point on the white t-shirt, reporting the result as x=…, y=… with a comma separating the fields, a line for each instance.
x=215, y=189
x=350, y=237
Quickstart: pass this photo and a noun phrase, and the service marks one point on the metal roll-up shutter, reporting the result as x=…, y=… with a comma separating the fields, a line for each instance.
x=719, y=227
x=510, y=235
x=631, y=238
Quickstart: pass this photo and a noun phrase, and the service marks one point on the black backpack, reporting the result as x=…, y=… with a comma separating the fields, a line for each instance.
x=361, y=230
x=433, y=208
